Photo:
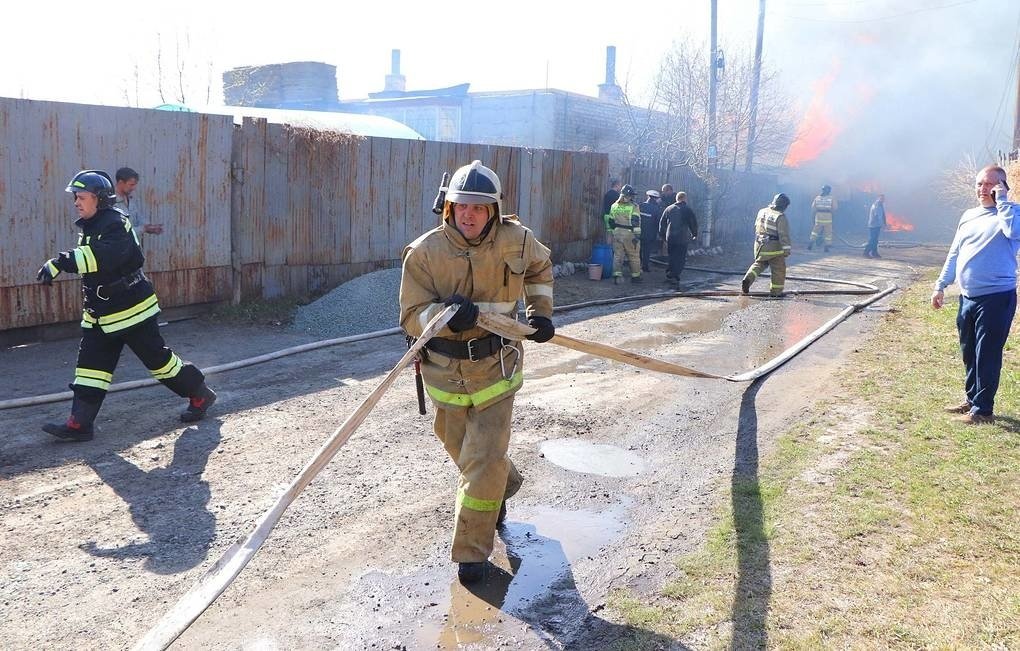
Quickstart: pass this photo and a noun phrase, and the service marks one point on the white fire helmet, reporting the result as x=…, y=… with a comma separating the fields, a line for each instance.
x=474, y=184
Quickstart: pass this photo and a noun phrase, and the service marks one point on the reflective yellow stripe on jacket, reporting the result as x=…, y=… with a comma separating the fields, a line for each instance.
x=478, y=397
x=125, y=318
x=85, y=260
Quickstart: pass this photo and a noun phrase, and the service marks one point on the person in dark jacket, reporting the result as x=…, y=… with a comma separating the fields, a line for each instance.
x=667, y=195
x=678, y=227
x=651, y=212
x=608, y=199
x=120, y=307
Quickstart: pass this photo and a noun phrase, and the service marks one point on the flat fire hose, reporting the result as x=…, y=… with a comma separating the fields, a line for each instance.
x=201, y=595
x=509, y=328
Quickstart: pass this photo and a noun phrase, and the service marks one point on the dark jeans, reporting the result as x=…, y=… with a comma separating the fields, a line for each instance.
x=872, y=246
x=647, y=247
x=677, y=250
x=983, y=322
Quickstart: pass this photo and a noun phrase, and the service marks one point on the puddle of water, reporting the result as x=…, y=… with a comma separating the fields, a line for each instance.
x=530, y=581
x=700, y=322
x=592, y=458
x=797, y=320
x=581, y=364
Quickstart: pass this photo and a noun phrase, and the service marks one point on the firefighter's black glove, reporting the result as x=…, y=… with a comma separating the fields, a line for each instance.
x=466, y=316
x=47, y=273
x=544, y=329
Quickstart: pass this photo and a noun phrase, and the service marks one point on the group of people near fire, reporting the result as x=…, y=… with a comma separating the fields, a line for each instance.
x=638, y=230
x=481, y=260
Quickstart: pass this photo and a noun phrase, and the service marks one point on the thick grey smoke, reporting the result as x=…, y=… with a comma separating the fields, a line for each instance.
x=906, y=98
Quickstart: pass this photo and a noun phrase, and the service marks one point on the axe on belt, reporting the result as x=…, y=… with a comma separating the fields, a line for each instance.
x=509, y=328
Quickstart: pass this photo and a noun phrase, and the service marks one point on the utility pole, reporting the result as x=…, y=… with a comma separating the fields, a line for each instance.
x=1016, y=115
x=755, y=82
x=706, y=235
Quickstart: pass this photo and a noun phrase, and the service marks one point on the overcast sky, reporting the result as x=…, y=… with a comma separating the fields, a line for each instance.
x=914, y=80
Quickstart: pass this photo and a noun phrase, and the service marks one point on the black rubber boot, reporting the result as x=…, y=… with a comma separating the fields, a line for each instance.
x=80, y=424
x=470, y=572
x=745, y=284
x=199, y=404
x=636, y=279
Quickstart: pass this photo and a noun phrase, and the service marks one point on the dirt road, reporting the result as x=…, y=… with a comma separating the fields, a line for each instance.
x=99, y=539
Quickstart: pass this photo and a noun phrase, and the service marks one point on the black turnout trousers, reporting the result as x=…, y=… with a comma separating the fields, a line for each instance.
x=100, y=351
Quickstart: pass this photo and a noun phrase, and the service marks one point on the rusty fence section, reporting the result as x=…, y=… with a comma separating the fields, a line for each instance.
x=183, y=160
x=257, y=210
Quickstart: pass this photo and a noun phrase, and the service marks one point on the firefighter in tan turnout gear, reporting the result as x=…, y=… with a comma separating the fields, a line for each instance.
x=822, y=208
x=771, y=245
x=625, y=220
x=483, y=261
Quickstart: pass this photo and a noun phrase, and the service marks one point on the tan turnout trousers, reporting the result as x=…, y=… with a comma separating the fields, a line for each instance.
x=625, y=247
x=477, y=441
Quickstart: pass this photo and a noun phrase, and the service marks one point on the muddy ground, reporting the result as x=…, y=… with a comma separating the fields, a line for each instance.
x=623, y=470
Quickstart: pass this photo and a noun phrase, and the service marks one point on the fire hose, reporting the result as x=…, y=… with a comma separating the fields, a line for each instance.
x=860, y=288
x=225, y=570
x=194, y=602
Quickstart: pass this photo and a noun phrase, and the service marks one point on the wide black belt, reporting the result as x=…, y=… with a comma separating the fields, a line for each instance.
x=472, y=349
x=106, y=291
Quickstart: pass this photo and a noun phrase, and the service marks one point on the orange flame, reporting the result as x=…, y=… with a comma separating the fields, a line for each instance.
x=818, y=129
x=896, y=222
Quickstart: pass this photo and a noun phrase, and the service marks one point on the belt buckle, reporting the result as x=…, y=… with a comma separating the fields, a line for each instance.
x=471, y=349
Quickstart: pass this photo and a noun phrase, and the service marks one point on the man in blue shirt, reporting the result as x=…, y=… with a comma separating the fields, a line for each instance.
x=983, y=260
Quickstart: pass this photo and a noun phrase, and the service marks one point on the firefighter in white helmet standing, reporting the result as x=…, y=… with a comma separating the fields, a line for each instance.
x=483, y=261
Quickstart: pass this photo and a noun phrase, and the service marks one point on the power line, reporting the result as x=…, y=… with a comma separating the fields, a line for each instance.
x=1014, y=63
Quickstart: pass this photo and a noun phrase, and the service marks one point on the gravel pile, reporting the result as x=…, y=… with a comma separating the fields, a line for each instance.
x=368, y=303
x=364, y=304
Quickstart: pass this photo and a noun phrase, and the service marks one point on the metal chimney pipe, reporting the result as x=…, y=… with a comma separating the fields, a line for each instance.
x=610, y=64
x=394, y=62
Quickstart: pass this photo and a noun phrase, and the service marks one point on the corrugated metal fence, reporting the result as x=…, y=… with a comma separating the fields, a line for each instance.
x=259, y=210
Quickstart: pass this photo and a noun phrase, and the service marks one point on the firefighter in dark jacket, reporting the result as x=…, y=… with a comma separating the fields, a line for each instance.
x=651, y=211
x=120, y=307
x=678, y=227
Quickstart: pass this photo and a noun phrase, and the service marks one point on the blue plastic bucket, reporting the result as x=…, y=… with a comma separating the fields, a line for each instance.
x=603, y=254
